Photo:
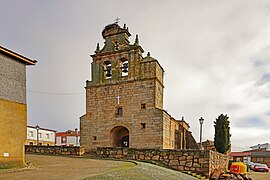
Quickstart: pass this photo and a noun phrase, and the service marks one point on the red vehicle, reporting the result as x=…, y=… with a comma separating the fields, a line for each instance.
x=261, y=168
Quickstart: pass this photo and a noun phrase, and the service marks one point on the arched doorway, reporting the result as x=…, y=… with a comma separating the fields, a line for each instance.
x=120, y=136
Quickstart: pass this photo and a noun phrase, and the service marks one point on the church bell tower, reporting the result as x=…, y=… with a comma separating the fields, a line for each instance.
x=124, y=98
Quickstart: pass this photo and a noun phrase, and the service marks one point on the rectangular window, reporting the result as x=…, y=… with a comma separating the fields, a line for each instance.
x=119, y=112
x=31, y=133
x=94, y=138
x=47, y=136
x=63, y=139
x=143, y=106
x=143, y=125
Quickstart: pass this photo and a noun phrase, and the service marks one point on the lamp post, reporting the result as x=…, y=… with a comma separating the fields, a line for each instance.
x=201, y=123
x=37, y=128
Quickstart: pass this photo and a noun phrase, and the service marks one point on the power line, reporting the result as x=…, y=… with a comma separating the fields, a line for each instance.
x=52, y=93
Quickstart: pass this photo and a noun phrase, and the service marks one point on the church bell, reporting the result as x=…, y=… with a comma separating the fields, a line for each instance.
x=108, y=71
x=125, y=68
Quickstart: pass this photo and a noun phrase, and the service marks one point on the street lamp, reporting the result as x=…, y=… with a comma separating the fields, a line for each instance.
x=37, y=128
x=201, y=123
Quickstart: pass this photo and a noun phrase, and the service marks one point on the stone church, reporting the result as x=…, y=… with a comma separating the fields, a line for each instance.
x=124, y=99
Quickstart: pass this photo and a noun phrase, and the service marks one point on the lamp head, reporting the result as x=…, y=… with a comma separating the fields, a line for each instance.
x=201, y=120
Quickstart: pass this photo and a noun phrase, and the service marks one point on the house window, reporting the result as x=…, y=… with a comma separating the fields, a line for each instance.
x=63, y=140
x=31, y=143
x=47, y=136
x=108, y=69
x=31, y=133
x=124, y=67
x=143, y=106
x=143, y=125
x=119, y=112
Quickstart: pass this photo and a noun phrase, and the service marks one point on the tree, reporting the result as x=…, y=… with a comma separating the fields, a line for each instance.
x=222, y=134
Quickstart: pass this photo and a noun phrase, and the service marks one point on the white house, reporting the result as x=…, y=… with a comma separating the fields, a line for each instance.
x=68, y=138
x=40, y=136
x=265, y=146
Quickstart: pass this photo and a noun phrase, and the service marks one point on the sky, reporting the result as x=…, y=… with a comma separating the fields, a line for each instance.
x=216, y=57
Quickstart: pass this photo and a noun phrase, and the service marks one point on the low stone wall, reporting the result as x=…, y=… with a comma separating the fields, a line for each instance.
x=54, y=150
x=203, y=162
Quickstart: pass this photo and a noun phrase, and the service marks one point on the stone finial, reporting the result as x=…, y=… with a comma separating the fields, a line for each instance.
x=182, y=118
x=125, y=26
x=148, y=54
x=97, y=49
x=136, y=40
x=117, y=20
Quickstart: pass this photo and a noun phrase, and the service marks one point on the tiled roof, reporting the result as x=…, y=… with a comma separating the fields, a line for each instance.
x=238, y=154
x=17, y=56
x=67, y=133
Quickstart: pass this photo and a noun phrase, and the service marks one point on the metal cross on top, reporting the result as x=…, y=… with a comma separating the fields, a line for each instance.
x=118, y=100
x=117, y=20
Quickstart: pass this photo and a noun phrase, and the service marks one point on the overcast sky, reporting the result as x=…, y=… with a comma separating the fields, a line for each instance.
x=215, y=55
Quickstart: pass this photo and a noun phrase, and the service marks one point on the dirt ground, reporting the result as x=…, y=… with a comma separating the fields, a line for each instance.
x=259, y=175
x=59, y=167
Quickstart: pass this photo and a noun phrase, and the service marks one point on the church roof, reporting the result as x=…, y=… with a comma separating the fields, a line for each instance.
x=17, y=56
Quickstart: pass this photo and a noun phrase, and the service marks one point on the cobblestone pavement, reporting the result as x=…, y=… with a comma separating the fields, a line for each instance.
x=59, y=167
x=143, y=171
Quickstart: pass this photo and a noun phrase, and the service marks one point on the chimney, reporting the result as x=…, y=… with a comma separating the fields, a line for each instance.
x=76, y=131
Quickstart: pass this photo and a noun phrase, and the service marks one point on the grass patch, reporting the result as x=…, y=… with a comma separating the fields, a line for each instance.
x=6, y=167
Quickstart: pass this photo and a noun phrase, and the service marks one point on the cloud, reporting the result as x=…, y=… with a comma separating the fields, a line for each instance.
x=216, y=56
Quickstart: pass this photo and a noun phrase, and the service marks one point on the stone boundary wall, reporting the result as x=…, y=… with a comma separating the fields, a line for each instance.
x=203, y=162
x=54, y=150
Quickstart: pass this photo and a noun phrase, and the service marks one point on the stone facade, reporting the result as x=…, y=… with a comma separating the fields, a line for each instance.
x=124, y=99
x=203, y=162
x=13, y=112
x=12, y=79
x=54, y=150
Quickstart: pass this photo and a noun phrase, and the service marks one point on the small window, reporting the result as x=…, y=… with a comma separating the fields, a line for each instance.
x=119, y=112
x=143, y=106
x=124, y=67
x=116, y=46
x=94, y=138
x=47, y=136
x=31, y=143
x=31, y=133
x=143, y=125
x=63, y=139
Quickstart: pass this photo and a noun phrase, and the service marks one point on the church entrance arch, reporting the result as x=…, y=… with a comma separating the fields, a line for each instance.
x=120, y=136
